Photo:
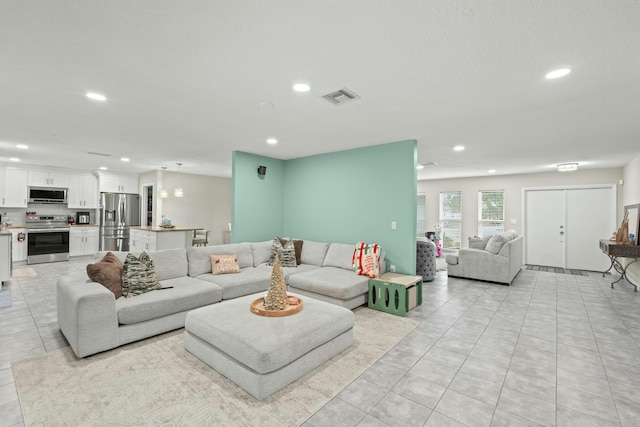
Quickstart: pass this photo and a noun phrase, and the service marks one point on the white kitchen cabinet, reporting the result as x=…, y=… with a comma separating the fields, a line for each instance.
x=83, y=241
x=142, y=241
x=15, y=188
x=151, y=240
x=19, y=249
x=83, y=191
x=118, y=184
x=40, y=178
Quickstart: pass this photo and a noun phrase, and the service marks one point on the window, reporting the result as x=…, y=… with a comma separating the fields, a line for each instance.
x=420, y=216
x=490, y=213
x=451, y=219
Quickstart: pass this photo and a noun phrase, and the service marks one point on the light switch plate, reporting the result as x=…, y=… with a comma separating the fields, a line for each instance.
x=393, y=225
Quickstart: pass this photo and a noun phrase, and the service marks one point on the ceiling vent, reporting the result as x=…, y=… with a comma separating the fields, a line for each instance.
x=341, y=96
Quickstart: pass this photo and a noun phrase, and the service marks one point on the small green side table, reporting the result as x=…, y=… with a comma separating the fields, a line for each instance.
x=395, y=293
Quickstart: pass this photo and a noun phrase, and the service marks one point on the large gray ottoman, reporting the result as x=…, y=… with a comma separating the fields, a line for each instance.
x=264, y=354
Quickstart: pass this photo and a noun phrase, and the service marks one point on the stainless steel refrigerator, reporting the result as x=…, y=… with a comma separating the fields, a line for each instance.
x=118, y=212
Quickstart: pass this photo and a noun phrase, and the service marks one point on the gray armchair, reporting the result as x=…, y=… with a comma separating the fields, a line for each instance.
x=425, y=259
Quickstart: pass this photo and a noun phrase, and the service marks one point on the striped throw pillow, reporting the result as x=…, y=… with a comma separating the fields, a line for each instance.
x=286, y=253
x=366, y=259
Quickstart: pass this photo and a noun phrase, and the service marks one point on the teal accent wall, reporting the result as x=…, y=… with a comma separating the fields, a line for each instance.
x=346, y=196
x=257, y=208
x=354, y=195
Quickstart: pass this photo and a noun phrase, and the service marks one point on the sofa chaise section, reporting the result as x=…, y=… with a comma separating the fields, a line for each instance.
x=93, y=320
x=336, y=281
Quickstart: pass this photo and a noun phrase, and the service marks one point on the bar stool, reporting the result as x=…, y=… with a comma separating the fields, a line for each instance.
x=201, y=238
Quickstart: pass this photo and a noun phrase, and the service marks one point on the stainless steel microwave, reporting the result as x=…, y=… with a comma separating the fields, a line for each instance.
x=47, y=195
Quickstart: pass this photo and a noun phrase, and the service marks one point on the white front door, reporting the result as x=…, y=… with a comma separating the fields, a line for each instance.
x=563, y=226
x=545, y=232
x=589, y=218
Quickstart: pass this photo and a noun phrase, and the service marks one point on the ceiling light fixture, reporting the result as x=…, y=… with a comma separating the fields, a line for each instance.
x=567, y=167
x=103, y=168
x=125, y=159
x=301, y=87
x=420, y=166
x=14, y=159
x=272, y=141
x=22, y=146
x=558, y=73
x=178, y=190
x=96, y=96
x=459, y=148
x=492, y=171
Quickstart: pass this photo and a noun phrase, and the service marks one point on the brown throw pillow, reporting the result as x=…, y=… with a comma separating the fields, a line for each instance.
x=107, y=272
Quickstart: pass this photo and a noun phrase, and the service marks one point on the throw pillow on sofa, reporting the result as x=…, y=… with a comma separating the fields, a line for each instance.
x=371, y=266
x=476, y=242
x=107, y=272
x=224, y=264
x=286, y=253
x=297, y=246
x=138, y=275
x=495, y=244
x=366, y=259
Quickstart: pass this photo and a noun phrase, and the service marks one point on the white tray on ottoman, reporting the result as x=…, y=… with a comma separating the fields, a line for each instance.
x=263, y=354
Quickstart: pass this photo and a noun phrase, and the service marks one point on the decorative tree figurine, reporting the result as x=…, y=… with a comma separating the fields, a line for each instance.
x=277, y=294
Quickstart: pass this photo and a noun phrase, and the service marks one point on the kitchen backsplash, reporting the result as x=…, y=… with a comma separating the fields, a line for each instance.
x=18, y=215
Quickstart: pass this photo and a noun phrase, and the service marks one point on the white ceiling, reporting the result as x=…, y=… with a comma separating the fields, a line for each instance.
x=190, y=81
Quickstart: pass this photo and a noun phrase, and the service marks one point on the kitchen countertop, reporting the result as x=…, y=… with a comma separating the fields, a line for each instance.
x=161, y=229
x=84, y=225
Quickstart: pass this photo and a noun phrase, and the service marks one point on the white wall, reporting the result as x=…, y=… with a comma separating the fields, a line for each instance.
x=512, y=185
x=631, y=196
x=206, y=202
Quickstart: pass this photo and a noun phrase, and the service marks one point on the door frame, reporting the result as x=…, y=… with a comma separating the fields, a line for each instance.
x=523, y=207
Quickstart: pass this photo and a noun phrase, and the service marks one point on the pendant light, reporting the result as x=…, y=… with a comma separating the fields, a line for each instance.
x=178, y=190
x=163, y=193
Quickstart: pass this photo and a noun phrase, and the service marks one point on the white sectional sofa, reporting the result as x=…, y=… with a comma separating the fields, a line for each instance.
x=93, y=320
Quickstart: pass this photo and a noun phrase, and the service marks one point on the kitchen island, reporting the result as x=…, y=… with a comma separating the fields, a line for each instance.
x=159, y=238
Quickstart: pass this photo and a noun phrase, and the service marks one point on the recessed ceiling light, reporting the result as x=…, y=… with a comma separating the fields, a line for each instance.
x=102, y=168
x=125, y=159
x=301, y=87
x=459, y=148
x=492, y=171
x=22, y=146
x=14, y=159
x=272, y=141
x=558, y=73
x=420, y=166
x=96, y=96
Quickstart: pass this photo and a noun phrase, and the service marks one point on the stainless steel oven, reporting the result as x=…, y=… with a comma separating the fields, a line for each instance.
x=47, y=239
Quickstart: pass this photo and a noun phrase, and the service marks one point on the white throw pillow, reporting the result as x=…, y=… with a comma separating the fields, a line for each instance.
x=476, y=242
x=495, y=244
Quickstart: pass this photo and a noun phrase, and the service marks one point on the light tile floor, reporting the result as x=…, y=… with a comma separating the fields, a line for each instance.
x=549, y=350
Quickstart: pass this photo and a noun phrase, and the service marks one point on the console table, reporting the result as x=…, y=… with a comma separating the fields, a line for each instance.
x=616, y=250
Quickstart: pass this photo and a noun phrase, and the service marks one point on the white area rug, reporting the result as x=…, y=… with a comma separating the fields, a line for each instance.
x=24, y=272
x=157, y=382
